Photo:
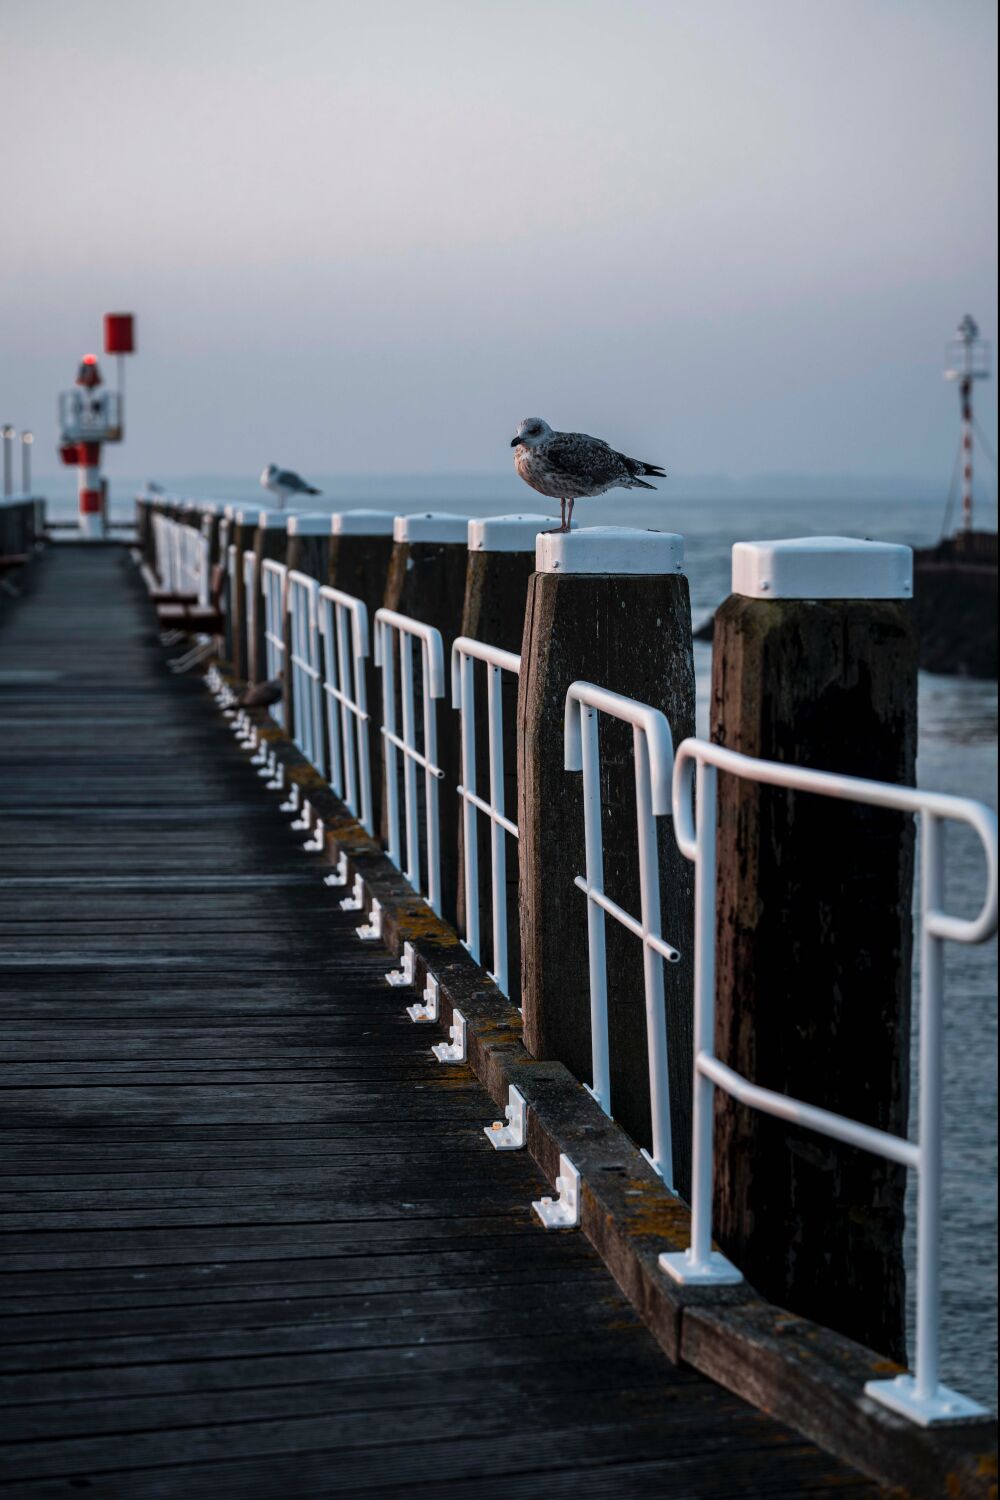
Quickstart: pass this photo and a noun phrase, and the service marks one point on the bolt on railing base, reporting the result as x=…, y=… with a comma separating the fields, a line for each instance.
x=317, y=843
x=406, y=973
x=339, y=874
x=512, y=1136
x=562, y=1212
x=426, y=1010
x=945, y=1405
x=371, y=931
x=716, y=1271
x=453, y=1051
x=356, y=900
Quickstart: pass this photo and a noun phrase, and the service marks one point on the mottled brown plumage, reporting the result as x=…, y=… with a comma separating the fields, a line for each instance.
x=568, y=466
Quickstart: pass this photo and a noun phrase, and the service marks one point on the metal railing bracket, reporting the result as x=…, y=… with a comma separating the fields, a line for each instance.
x=407, y=971
x=453, y=1051
x=512, y=1136
x=372, y=930
x=426, y=1009
x=562, y=1212
x=339, y=875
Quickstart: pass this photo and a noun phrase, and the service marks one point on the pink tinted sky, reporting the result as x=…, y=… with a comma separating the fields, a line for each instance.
x=368, y=238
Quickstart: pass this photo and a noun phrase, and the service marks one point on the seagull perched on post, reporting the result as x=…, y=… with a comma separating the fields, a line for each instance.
x=570, y=466
x=283, y=482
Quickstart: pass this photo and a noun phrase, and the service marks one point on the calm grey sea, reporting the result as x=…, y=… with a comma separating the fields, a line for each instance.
x=958, y=753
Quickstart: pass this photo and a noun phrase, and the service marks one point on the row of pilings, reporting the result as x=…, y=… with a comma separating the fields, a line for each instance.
x=814, y=927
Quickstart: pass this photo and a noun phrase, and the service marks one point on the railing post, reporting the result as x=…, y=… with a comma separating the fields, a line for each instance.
x=9, y=434
x=210, y=520
x=307, y=551
x=501, y=562
x=814, y=664
x=27, y=441
x=156, y=506
x=270, y=540
x=610, y=606
x=426, y=580
x=360, y=549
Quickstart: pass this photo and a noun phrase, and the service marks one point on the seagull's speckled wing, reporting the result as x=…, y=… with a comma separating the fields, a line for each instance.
x=586, y=459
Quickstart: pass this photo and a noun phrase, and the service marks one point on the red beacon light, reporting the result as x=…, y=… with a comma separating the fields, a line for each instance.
x=89, y=373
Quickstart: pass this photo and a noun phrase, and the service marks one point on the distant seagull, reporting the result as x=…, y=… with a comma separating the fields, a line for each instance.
x=283, y=482
x=570, y=466
x=152, y=488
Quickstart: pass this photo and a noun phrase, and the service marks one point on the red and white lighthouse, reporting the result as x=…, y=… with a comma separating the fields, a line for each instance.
x=91, y=415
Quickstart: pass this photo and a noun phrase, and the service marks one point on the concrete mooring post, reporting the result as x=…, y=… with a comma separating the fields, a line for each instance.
x=815, y=664
x=360, y=549
x=143, y=525
x=243, y=529
x=500, y=564
x=609, y=606
x=426, y=580
x=309, y=543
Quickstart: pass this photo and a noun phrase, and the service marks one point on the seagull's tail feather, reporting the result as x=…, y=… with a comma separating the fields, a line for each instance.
x=637, y=466
x=308, y=490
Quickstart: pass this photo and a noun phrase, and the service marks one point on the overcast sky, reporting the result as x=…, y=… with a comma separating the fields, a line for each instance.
x=731, y=236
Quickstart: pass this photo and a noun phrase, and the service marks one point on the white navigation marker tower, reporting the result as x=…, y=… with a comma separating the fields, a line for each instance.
x=968, y=360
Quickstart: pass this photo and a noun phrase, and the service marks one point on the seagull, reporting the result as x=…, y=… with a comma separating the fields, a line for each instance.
x=263, y=694
x=569, y=466
x=283, y=482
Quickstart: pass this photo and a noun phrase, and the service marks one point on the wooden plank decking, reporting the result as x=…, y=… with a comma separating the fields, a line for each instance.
x=254, y=1240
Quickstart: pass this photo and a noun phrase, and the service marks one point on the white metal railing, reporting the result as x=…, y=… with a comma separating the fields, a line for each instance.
x=389, y=628
x=305, y=664
x=163, y=551
x=273, y=576
x=465, y=652
x=182, y=558
x=193, y=550
x=654, y=758
x=921, y=1397
x=252, y=588
x=343, y=625
x=159, y=547
x=232, y=563
x=329, y=649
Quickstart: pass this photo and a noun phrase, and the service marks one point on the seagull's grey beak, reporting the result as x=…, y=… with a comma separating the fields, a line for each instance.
x=514, y=442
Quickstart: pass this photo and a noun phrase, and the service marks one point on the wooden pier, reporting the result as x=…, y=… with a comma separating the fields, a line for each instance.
x=255, y=1241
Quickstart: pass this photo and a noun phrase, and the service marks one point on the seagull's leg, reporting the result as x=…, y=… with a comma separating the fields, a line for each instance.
x=569, y=515
x=555, y=530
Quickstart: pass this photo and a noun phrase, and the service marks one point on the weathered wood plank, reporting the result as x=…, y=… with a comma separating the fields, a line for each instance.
x=255, y=1241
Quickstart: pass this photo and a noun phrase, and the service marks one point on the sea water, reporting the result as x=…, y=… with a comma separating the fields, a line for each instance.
x=957, y=753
